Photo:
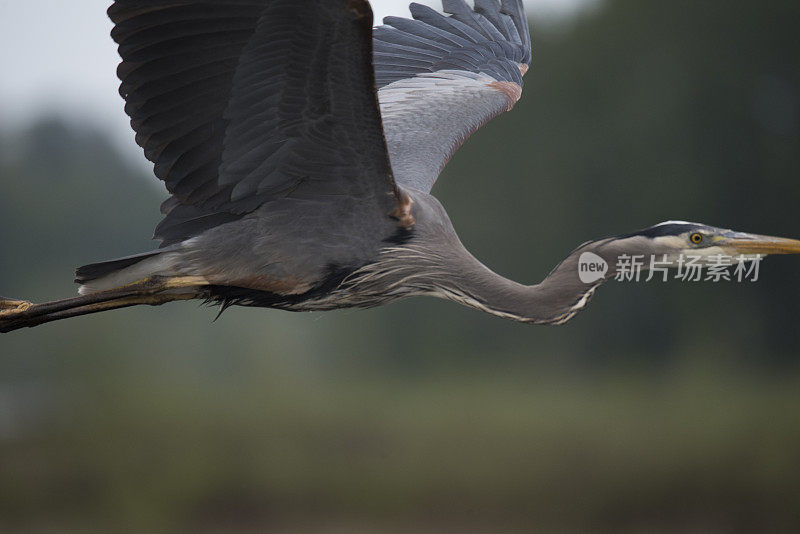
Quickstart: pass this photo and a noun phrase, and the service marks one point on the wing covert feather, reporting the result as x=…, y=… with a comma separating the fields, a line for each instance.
x=440, y=78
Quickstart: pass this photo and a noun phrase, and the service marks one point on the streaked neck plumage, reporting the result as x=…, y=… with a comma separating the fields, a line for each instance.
x=447, y=270
x=434, y=262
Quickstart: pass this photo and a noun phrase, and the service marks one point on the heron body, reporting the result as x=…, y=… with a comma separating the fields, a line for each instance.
x=300, y=145
x=331, y=136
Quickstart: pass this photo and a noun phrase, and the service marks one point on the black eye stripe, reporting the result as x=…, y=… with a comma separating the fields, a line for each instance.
x=660, y=230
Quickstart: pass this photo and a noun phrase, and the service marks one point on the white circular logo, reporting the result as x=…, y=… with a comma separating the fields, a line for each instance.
x=591, y=267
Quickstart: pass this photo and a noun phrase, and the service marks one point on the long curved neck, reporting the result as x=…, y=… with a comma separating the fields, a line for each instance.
x=555, y=300
x=450, y=271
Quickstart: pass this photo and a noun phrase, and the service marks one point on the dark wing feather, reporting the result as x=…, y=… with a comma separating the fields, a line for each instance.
x=242, y=102
x=442, y=77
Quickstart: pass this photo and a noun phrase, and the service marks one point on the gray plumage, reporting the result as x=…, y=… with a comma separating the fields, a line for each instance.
x=440, y=78
x=300, y=146
x=282, y=181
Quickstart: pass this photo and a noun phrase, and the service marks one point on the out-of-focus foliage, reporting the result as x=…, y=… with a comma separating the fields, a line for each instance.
x=662, y=408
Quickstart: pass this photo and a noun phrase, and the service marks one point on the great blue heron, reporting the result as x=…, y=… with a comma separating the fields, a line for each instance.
x=300, y=145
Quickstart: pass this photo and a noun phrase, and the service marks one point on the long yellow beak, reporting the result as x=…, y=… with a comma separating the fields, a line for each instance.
x=761, y=244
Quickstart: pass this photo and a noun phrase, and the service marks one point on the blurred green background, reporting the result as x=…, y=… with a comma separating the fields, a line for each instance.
x=662, y=408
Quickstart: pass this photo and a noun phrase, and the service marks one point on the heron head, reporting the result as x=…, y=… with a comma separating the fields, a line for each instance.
x=706, y=244
x=668, y=245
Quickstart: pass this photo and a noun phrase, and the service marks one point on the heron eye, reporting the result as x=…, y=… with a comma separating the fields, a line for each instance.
x=696, y=238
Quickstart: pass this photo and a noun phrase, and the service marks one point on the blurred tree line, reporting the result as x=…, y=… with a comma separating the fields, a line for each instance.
x=663, y=407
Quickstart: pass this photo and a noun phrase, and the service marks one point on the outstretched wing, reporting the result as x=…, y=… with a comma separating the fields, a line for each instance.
x=241, y=102
x=441, y=77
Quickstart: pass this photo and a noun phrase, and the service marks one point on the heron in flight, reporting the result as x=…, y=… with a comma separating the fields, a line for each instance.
x=300, y=144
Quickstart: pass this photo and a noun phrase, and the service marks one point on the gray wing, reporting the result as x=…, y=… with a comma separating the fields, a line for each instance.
x=242, y=102
x=441, y=77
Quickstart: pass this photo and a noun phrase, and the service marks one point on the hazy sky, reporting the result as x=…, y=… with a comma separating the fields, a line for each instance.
x=57, y=56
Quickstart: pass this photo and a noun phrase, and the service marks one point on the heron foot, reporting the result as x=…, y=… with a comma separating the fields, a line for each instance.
x=11, y=308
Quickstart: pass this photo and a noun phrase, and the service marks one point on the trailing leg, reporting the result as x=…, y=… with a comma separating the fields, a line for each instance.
x=153, y=291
